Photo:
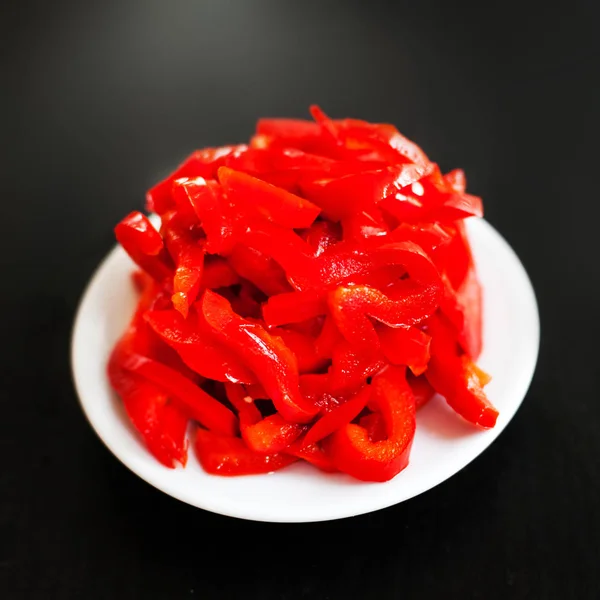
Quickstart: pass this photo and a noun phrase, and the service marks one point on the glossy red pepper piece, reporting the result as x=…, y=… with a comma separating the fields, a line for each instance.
x=213, y=210
x=353, y=452
x=338, y=417
x=204, y=408
x=201, y=163
x=350, y=367
x=421, y=388
x=145, y=246
x=187, y=253
x=260, y=269
x=197, y=348
x=224, y=455
x=405, y=345
x=328, y=338
x=218, y=273
x=294, y=307
x=263, y=435
x=344, y=196
x=303, y=347
x=452, y=376
x=312, y=454
x=161, y=423
x=267, y=356
x=277, y=205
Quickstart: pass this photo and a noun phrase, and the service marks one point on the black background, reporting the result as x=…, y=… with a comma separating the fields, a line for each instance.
x=100, y=99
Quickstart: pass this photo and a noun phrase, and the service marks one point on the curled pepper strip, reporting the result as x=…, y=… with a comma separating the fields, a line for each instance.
x=408, y=303
x=277, y=205
x=351, y=449
x=268, y=357
x=202, y=407
x=454, y=376
x=197, y=348
x=212, y=209
x=405, y=346
x=202, y=163
x=145, y=246
x=225, y=455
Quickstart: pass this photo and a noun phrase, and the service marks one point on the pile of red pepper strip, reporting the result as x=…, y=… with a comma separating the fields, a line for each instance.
x=304, y=295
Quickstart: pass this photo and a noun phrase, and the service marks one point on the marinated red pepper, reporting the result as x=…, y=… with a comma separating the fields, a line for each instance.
x=303, y=296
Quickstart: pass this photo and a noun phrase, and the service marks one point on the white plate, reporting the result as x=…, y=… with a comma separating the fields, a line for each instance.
x=443, y=444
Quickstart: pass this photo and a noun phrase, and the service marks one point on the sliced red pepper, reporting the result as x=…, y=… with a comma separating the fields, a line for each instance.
x=321, y=235
x=213, y=210
x=277, y=205
x=188, y=254
x=338, y=417
x=312, y=454
x=405, y=345
x=362, y=224
x=271, y=360
x=451, y=376
x=303, y=347
x=352, y=451
x=421, y=388
x=145, y=246
x=161, y=424
x=197, y=348
x=218, y=273
x=344, y=196
x=271, y=434
x=204, y=408
x=224, y=455
x=260, y=269
x=266, y=436
x=350, y=367
x=294, y=307
x=328, y=338
x=202, y=163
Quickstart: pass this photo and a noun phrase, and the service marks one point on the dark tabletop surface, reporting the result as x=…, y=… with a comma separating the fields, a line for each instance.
x=99, y=100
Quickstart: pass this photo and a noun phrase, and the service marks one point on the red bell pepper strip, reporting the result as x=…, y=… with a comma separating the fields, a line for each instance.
x=197, y=348
x=161, y=424
x=212, y=209
x=266, y=436
x=294, y=307
x=450, y=375
x=289, y=131
x=338, y=417
x=224, y=455
x=303, y=347
x=260, y=269
x=145, y=246
x=352, y=451
x=188, y=255
x=350, y=367
x=271, y=434
x=363, y=224
x=205, y=409
x=421, y=388
x=321, y=235
x=351, y=307
x=269, y=358
x=312, y=454
x=375, y=425
x=202, y=163
x=277, y=205
x=329, y=337
x=344, y=196
x=218, y=273
x=405, y=345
